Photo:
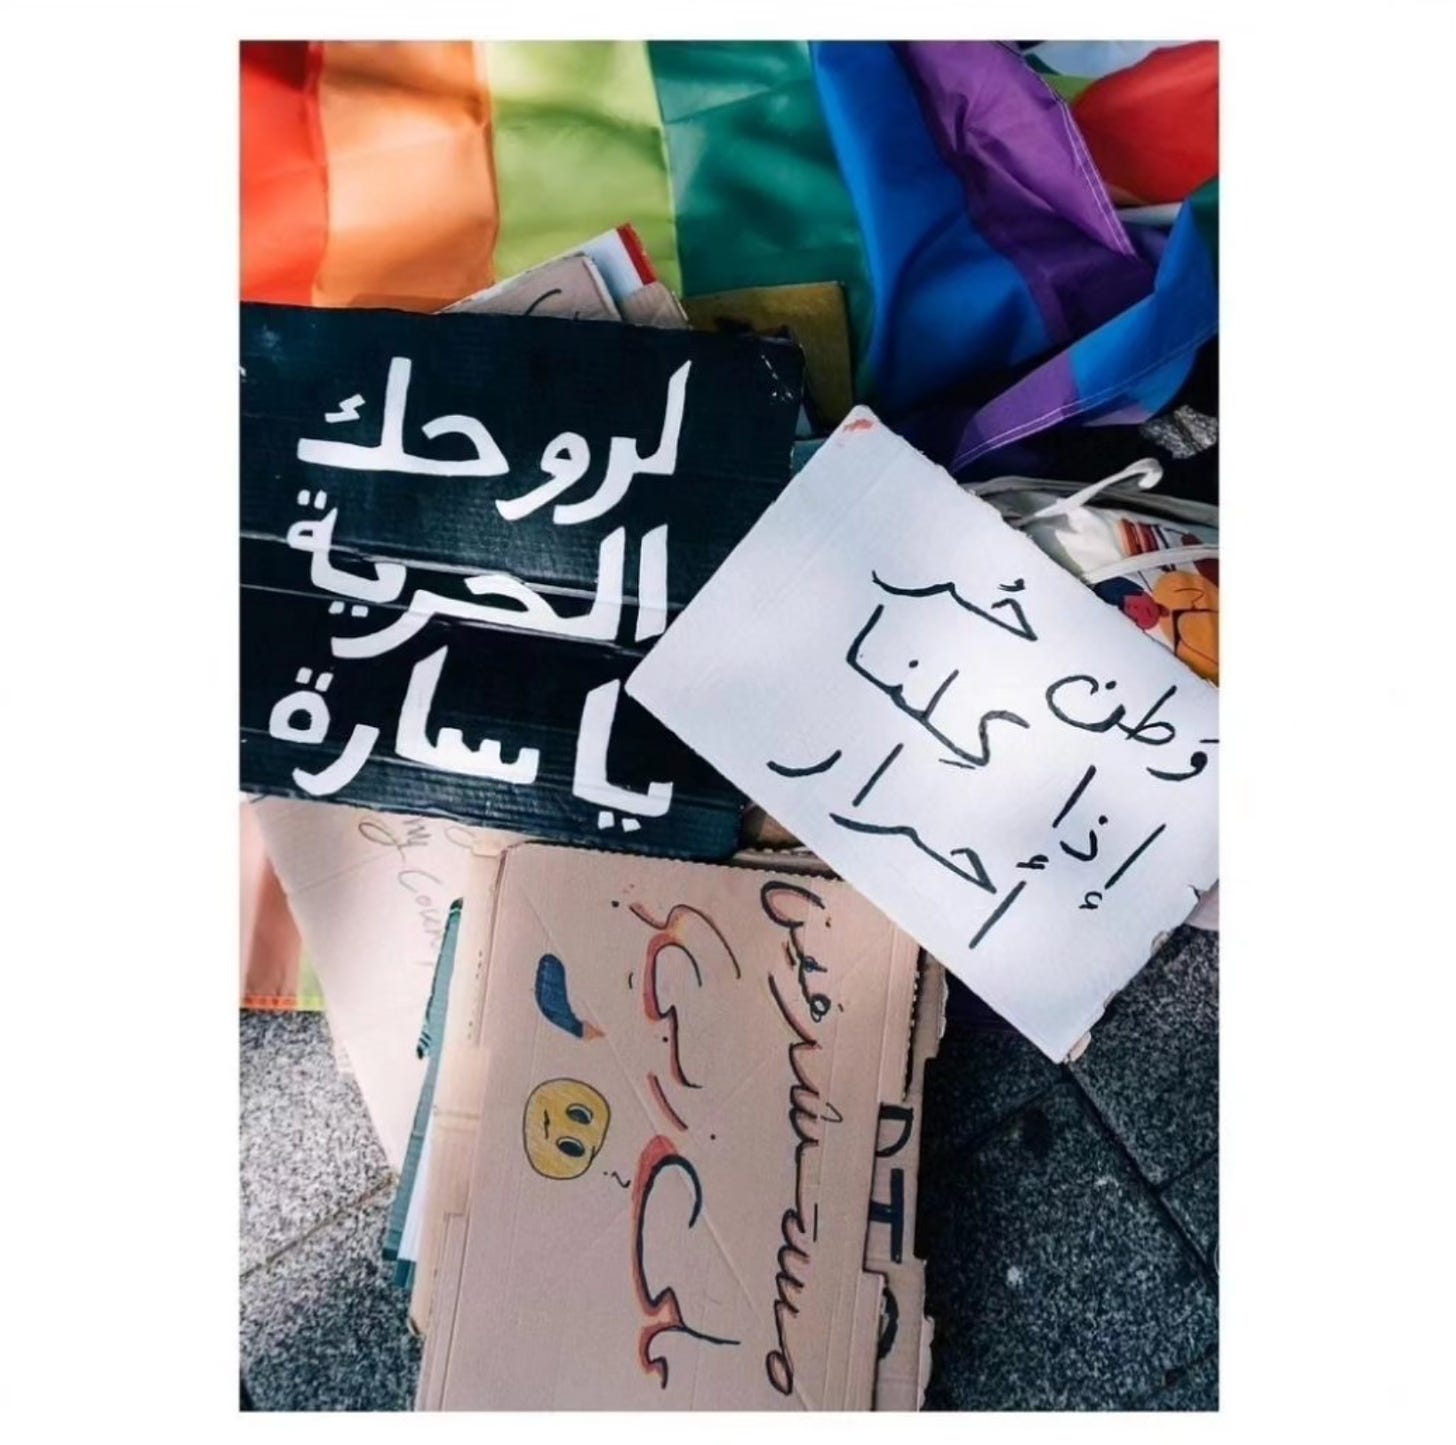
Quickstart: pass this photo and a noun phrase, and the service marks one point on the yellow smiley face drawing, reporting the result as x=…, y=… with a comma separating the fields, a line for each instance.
x=563, y=1127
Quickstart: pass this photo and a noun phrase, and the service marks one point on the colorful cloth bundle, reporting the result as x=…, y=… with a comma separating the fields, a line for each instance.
x=1153, y=558
x=1148, y=112
x=965, y=206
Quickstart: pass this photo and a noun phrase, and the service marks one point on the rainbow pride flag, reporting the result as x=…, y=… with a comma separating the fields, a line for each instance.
x=947, y=186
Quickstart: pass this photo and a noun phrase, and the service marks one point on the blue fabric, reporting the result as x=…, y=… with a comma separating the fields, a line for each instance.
x=947, y=304
x=1128, y=369
x=1139, y=360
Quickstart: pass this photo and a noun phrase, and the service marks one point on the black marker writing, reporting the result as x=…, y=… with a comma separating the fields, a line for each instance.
x=978, y=875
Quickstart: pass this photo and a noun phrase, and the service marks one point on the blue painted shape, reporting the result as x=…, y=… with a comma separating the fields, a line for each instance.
x=551, y=996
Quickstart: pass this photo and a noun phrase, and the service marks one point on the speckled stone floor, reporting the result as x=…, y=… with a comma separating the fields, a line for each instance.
x=1069, y=1216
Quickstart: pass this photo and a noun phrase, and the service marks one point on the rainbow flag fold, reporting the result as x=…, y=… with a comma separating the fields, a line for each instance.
x=966, y=207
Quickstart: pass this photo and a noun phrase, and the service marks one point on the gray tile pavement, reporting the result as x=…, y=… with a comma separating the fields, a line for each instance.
x=323, y=1326
x=307, y=1146
x=1192, y=1388
x=1055, y=1279
x=1193, y=1200
x=994, y=1073
x=1152, y=1067
x=1069, y=1215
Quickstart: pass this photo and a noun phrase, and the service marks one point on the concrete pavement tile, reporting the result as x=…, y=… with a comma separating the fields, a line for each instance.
x=307, y=1146
x=1054, y=1278
x=1193, y=1200
x=324, y=1327
x=1152, y=1066
x=978, y=1077
x=1194, y=1388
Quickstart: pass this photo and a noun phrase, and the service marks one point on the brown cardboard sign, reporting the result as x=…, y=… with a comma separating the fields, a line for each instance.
x=371, y=892
x=670, y=1082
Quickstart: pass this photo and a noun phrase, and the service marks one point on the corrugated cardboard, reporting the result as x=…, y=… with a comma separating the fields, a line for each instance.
x=905, y=1332
x=738, y=1030
x=414, y=1186
x=609, y=277
x=444, y=634
x=570, y=287
x=400, y=1226
x=654, y=305
x=372, y=893
x=459, y=1095
x=813, y=313
x=371, y=929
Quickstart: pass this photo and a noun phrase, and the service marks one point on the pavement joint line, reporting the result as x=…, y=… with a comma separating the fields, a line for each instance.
x=1160, y=1204
x=1182, y=1174
x=1210, y=1157
x=996, y=1125
x=315, y=1229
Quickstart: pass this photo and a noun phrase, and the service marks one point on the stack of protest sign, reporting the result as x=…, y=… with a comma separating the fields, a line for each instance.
x=540, y=613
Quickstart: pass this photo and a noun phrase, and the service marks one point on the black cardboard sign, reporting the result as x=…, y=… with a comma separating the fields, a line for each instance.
x=460, y=533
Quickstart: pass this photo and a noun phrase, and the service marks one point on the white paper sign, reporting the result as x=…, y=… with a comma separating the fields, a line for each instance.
x=1002, y=762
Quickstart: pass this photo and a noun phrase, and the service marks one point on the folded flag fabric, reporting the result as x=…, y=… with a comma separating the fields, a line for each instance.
x=1126, y=370
x=1152, y=128
x=1148, y=111
x=757, y=191
x=367, y=175
x=991, y=238
x=578, y=148
x=966, y=208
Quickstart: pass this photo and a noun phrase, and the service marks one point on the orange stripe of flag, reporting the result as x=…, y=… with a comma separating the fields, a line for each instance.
x=412, y=200
x=284, y=185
